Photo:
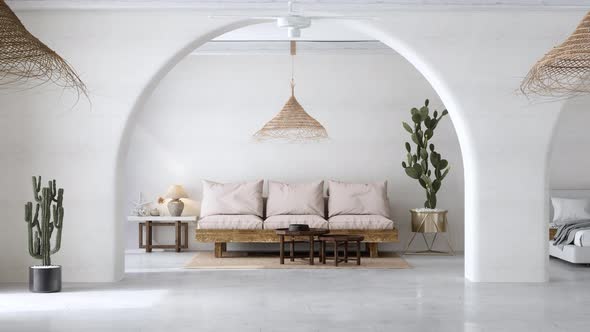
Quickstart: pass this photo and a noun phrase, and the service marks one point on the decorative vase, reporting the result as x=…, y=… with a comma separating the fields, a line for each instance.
x=175, y=207
x=429, y=220
x=45, y=279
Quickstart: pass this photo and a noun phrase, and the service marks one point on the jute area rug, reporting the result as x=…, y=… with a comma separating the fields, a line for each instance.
x=252, y=261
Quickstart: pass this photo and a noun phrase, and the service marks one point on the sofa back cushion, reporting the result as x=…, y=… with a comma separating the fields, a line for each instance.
x=300, y=198
x=232, y=198
x=357, y=198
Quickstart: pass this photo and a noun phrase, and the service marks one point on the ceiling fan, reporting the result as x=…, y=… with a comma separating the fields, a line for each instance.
x=294, y=21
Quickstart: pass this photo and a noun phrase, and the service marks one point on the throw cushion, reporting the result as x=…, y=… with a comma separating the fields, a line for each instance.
x=232, y=198
x=300, y=198
x=566, y=210
x=357, y=198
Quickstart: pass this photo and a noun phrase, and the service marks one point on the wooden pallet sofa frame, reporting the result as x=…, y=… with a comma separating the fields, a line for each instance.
x=223, y=236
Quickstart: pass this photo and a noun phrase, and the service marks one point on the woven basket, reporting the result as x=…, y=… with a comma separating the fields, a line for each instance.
x=23, y=57
x=565, y=70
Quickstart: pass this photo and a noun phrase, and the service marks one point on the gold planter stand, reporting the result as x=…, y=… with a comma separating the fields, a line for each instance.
x=429, y=222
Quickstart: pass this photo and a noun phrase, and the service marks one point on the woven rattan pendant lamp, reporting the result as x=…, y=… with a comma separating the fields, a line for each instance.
x=292, y=123
x=565, y=70
x=24, y=58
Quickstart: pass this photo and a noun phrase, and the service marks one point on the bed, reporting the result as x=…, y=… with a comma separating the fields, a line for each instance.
x=578, y=252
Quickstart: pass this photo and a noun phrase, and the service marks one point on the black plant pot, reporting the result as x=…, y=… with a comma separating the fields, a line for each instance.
x=45, y=279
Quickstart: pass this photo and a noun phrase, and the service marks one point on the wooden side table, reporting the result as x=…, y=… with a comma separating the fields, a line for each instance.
x=341, y=240
x=180, y=225
x=307, y=236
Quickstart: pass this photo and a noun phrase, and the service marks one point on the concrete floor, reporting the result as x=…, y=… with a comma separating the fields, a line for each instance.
x=158, y=295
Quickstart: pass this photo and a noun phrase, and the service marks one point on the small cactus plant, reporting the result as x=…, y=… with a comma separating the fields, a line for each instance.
x=424, y=161
x=49, y=208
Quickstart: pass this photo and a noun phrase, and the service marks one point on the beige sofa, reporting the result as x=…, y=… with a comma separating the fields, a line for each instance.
x=238, y=213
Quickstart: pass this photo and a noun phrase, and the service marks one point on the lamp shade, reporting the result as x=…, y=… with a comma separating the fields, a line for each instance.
x=292, y=124
x=24, y=57
x=175, y=192
x=565, y=69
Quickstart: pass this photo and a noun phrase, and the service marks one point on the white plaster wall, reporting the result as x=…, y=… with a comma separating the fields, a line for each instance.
x=473, y=58
x=198, y=125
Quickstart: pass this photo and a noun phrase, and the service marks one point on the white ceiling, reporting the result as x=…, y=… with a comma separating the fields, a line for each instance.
x=275, y=4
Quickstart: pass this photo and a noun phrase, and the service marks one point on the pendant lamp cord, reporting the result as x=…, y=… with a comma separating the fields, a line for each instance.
x=293, y=51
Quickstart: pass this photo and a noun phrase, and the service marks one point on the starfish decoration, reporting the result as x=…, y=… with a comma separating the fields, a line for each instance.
x=139, y=208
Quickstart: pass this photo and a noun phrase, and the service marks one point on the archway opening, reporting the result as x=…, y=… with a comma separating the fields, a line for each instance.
x=203, y=133
x=567, y=174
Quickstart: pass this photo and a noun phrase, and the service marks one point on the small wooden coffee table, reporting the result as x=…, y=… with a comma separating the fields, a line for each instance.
x=340, y=240
x=310, y=235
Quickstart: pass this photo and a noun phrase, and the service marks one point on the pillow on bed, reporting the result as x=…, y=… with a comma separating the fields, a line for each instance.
x=232, y=198
x=567, y=210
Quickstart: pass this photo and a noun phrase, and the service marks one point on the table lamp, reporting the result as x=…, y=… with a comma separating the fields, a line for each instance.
x=175, y=206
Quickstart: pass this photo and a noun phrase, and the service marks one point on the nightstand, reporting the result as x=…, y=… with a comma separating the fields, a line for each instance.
x=552, y=231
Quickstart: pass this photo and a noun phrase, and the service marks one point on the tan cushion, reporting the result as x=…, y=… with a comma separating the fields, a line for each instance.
x=230, y=221
x=357, y=198
x=360, y=221
x=283, y=221
x=295, y=198
x=232, y=198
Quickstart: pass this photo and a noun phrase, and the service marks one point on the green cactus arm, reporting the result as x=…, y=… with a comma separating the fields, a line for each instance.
x=36, y=218
x=37, y=247
x=52, y=190
x=37, y=188
x=445, y=173
x=60, y=197
x=33, y=250
x=58, y=221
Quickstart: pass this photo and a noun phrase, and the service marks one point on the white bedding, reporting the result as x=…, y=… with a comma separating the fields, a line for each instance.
x=582, y=238
x=571, y=253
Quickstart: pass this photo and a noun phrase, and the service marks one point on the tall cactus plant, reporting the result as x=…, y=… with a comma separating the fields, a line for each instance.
x=49, y=208
x=423, y=160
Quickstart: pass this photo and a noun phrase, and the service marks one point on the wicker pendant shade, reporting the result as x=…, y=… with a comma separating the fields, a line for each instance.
x=292, y=123
x=565, y=70
x=23, y=57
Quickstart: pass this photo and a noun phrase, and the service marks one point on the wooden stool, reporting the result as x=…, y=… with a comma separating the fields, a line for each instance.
x=340, y=240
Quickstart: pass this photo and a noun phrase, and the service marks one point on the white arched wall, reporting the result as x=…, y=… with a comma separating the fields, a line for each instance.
x=399, y=46
x=480, y=55
x=485, y=258
x=120, y=183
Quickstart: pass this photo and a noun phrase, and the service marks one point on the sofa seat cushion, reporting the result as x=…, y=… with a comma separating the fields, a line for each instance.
x=230, y=221
x=284, y=220
x=360, y=221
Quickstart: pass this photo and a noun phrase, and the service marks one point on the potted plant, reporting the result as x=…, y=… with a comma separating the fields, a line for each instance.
x=427, y=166
x=48, y=217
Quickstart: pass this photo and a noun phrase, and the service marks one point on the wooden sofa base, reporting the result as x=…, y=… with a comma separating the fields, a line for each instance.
x=222, y=236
